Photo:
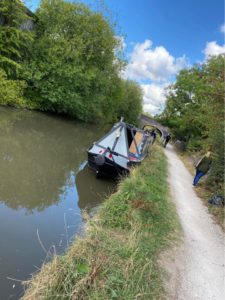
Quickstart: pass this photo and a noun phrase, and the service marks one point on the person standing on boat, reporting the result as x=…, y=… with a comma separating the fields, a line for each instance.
x=202, y=167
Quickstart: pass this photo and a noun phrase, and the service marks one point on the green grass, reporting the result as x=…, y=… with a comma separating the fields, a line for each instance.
x=118, y=257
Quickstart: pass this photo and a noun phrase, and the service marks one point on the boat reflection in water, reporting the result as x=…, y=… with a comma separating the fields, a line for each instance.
x=91, y=191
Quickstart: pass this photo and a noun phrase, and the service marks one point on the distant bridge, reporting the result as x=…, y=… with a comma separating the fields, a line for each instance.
x=145, y=120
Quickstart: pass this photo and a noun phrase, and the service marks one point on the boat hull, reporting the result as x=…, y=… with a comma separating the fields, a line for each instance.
x=108, y=169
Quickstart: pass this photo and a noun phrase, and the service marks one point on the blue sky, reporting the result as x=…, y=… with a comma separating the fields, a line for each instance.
x=161, y=37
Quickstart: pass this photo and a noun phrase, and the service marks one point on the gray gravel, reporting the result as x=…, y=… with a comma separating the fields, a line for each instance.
x=196, y=267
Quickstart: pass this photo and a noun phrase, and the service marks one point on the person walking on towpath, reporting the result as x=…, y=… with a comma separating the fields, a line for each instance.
x=153, y=135
x=166, y=140
x=202, y=167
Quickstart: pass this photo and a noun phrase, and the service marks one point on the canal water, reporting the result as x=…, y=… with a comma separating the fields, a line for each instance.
x=44, y=187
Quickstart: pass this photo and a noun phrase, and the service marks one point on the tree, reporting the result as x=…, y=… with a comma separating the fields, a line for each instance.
x=14, y=41
x=195, y=111
x=131, y=101
x=213, y=114
x=72, y=69
x=70, y=61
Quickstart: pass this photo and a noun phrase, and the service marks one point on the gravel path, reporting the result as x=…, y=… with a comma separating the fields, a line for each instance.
x=197, y=267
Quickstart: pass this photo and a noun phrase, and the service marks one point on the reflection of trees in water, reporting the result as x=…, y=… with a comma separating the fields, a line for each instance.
x=92, y=191
x=37, y=154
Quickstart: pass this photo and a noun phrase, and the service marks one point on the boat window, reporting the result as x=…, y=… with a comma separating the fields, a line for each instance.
x=129, y=136
x=138, y=138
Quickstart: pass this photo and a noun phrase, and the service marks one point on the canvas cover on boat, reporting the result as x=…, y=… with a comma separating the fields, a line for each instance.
x=122, y=144
x=116, y=140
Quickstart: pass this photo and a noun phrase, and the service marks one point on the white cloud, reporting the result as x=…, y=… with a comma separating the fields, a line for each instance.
x=212, y=48
x=154, y=97
x=154, y=68
x=148, y=63
x=222, y=28
x=152, y=109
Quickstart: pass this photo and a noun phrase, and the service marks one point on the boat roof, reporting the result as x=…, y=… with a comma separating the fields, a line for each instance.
x=116, y=140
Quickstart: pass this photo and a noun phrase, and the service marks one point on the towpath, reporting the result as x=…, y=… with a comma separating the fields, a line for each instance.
x=197, y=266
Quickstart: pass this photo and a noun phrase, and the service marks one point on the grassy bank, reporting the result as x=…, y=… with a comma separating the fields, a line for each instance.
x=118, y=257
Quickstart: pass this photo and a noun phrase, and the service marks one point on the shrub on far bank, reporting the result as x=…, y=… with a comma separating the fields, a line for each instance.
x=11, y=91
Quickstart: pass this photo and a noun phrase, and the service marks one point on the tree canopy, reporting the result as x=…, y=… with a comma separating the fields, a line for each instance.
x=69, y=61
x=195, y=111
x=14, y=41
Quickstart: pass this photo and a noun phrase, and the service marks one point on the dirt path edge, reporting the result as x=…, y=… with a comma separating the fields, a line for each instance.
x=196, y=267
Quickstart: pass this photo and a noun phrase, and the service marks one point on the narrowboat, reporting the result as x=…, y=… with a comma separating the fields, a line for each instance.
x=123, y=147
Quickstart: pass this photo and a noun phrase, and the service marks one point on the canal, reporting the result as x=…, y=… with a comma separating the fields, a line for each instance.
x=44, y=187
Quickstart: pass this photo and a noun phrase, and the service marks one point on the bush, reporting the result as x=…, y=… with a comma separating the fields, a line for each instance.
x=11, y=91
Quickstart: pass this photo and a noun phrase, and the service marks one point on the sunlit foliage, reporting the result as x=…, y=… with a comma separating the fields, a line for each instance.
x=69, y=61
x=195, y=111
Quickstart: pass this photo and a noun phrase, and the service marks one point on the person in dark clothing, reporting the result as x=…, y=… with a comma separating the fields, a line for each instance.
x=202, y=167
x=153, y=135
x=166, y=140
